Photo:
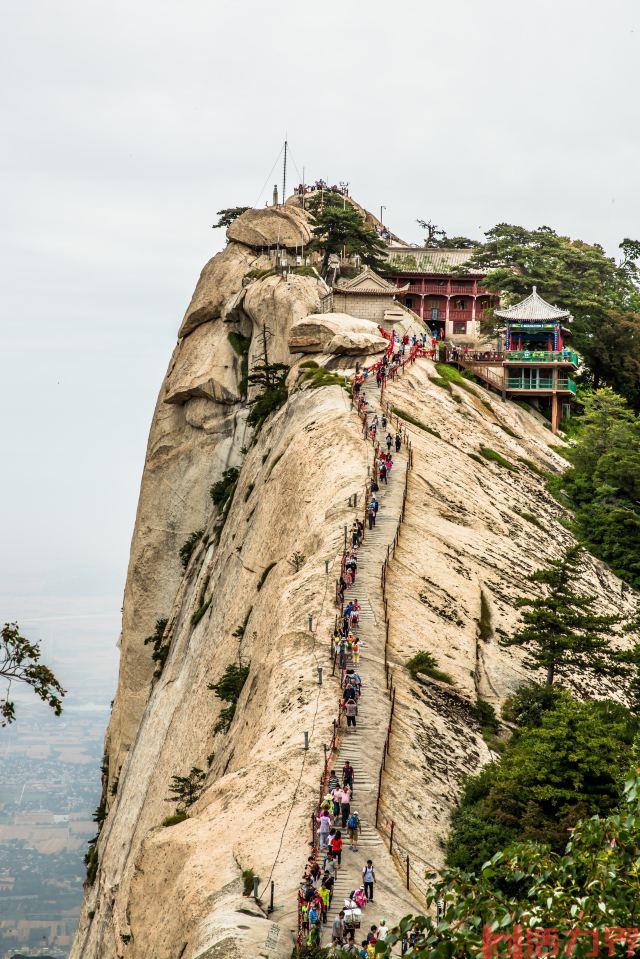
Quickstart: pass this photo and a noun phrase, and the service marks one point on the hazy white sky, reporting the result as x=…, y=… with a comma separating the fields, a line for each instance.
x=126, y=126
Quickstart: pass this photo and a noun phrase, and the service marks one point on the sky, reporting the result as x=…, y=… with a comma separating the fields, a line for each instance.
x=127, y=125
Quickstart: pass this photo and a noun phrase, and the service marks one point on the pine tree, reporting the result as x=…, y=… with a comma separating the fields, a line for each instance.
x=338, y=226
x=560, y=631
x=186, y=789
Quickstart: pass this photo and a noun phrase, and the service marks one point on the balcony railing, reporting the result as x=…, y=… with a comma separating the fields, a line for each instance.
x=460, y=315
x=520, y=383
x=459, y=289
x=543, y=356
x=542, y=383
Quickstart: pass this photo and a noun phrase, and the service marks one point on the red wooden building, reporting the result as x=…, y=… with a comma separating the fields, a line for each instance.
x=452, y=305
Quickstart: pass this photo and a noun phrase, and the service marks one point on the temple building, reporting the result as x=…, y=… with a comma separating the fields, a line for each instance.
x=536, y=364
x=369, y=297
x=452, y=305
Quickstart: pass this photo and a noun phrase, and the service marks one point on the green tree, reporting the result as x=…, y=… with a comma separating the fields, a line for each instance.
x=603, y=295
x=437, y=238
x=560, y=631
x=229, y=214
x=552, y=773
x=603, y=483
x=338, y=226
x=20, y=663
x=185, y=790
x=160, y=648
x=527, y=889
x=271, y=381
x=188, y=547
x=228, y=689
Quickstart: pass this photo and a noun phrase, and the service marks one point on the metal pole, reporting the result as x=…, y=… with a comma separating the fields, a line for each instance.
x=355, y=500
x=407, y=872
x=306, y=740
x=325, y=747
x=270, y=909
x=310, y=619
x=345, y=537
x=326, y=567
x=391, y=837
x=319, y=675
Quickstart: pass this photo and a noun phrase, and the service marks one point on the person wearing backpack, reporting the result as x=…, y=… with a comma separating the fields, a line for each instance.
x=350, y=709
x=368, y=879
x=353, y=825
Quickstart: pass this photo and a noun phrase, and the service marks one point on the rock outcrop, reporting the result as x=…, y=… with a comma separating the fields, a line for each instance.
x=284, y=226
x=244, y=598
x=335, y=333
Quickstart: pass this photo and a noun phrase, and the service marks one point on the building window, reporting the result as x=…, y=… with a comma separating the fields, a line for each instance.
x=459, y=304
x=459, y=326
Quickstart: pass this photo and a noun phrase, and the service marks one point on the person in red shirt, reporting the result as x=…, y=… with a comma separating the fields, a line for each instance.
x=336, y=846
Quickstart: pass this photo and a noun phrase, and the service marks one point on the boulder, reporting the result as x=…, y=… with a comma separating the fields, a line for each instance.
x=320, y=332
x=283, y=225
x=356, y=343
x=221, y=278
x=206, y=365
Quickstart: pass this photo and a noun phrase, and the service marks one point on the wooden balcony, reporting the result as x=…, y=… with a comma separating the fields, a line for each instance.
x=460, y=316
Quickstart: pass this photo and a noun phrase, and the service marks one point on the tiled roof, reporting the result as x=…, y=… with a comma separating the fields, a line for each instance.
x=421, y=260
x=533, y=308
x=366, y=282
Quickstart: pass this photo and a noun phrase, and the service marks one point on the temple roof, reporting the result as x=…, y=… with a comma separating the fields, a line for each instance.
x=410, y=259
x=533, y=307
x=368, y=283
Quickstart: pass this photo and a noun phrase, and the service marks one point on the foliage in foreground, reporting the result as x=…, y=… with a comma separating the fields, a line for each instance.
x=603, y=483
x=563, y=767
x=20, y=663
x=528, y=889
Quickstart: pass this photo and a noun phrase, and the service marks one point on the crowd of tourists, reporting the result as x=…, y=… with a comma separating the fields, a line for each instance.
x=337, y=822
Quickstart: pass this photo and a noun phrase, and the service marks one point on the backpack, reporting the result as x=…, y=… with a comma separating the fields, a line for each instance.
x=352, y=821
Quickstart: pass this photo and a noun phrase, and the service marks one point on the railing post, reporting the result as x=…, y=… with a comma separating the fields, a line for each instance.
x=407, y=872
x=391, y=837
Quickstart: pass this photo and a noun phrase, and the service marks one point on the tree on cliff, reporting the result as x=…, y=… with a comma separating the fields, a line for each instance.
x=20, y=663
x=228, y=215
x=603, y=296
x=339, y=227
x=560, y=631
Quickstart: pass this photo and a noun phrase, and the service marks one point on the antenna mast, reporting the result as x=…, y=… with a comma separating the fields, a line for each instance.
x=284, y=171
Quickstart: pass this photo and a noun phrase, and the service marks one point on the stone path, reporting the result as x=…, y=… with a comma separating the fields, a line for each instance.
x=363, y=746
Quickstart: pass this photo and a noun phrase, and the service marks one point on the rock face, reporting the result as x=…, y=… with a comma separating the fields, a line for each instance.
x=221, y=277
x=206, y=365
x=464, y=554
x=284, y=226
x=335, y=333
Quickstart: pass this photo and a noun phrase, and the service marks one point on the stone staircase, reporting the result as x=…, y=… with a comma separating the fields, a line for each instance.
x=363, y=745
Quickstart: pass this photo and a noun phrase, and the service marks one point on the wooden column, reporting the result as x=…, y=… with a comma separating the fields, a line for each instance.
x=554, y=413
